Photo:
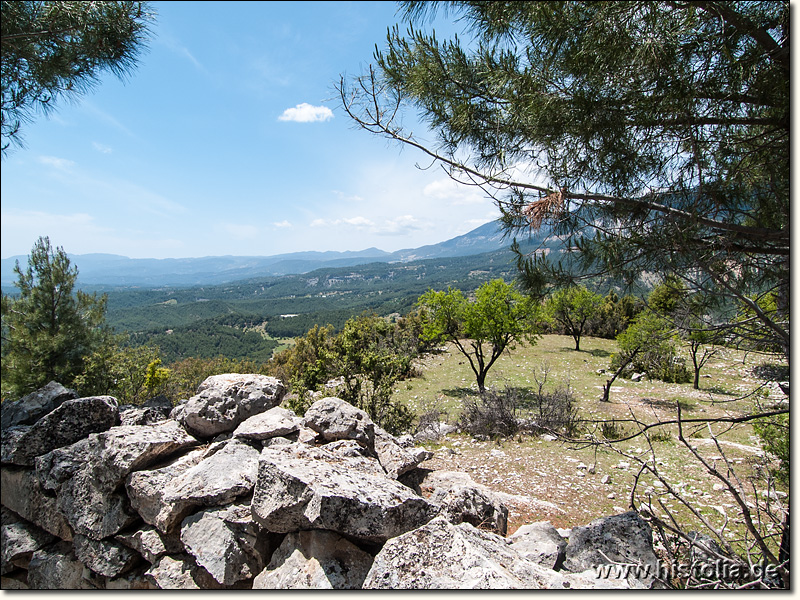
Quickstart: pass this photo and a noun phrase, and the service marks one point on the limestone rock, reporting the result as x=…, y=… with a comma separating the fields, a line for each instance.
x=141, y=415
x=624, y=538
x=151, y=543
x=180, y=572
x=132, y=580
x=315, y=560
x=395, y=459
x=276, y=421
x=464, y=501
x=71, y=421
x=295, y=492
x=541, y=543
x=104, y=557
x=21, y=492
x=19, y=540
x=56, y=568
x=29, y=409
x=164, y=496
x=441, y=555
x=225, y=401
x=334, y=419
x=225, y=542
x=88, y=475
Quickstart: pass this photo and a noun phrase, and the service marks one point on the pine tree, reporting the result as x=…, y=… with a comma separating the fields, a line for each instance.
x=49, y=328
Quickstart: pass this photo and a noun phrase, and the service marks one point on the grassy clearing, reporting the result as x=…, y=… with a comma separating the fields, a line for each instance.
x=571, y=485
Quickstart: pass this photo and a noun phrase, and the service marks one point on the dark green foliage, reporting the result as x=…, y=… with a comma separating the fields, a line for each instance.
x=186, y=375
x=61, y=49
x=367, y=358
x=573, y=309
x=132, y=375
x=49, y=329
x=774, y=435
x=649, y=346
x=659, y=133
x=208, y=339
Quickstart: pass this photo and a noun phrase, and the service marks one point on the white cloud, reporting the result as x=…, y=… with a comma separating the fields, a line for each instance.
x=456, y=193
x=282, y=224
x=305, y=113
x=62, y=164
x=400, y=226
x=102, y=148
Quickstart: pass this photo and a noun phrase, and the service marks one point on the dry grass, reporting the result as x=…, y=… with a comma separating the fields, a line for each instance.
x=570, y=485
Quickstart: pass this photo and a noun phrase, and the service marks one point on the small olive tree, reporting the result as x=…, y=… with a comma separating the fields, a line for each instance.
x=572, y=309
x=481, y=328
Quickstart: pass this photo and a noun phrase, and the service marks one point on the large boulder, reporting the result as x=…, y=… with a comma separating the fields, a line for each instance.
x=441, y=555
x=88, y=475
x=165, y=496
x=21, y=492
x=224, y=401
x=334, y=419
x=541, y=543
x=29, y=409
x=315, y=560
x=71, y=421
x=225, y=542
x=295, y=492
x=620, y=539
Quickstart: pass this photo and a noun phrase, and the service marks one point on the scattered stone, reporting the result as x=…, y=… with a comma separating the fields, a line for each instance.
x=605, y=479
x=315, y=559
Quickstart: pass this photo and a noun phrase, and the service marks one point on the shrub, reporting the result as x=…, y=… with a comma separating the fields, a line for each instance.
x=491, y=414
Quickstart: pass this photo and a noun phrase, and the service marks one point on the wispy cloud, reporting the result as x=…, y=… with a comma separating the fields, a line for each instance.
x=102, y=148
x=455, y=193
x=62, y=164
x=306, y=113
x=395, y=226
x=282, y=224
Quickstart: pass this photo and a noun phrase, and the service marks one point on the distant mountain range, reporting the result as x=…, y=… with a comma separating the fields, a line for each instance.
x=119, y=271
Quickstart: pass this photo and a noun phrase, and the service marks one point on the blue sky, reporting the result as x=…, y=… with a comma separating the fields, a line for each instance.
x=228, y=139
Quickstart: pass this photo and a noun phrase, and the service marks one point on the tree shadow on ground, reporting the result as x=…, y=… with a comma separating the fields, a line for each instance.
x=459, y=392
x=670, y=404
x=596, y=352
